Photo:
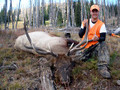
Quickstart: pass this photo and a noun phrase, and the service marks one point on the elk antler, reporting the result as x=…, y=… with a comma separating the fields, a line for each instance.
x=85, y=41
x=36, y=49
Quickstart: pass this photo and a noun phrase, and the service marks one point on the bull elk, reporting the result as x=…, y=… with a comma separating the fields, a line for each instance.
x=40, y=42
x=44, y=43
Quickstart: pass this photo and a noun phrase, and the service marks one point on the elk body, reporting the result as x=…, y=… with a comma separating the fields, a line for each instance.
x=45, y=41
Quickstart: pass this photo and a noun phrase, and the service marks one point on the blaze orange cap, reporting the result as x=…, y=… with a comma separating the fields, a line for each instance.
x=94, y=7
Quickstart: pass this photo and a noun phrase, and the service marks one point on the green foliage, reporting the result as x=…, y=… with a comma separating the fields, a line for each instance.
x=76, y=70
x=91, y=3
x=2, y=15
x=95, y=79
x=26, y=62
x=6, y=54
x=113, y=57
x=88, y=88
x=46, y=14
x=89, y=65
x=1, y=62
x=4, y=82
x=60, y=19
x=77, y=13
x=47, y=22
x=21, y=70
x=113, y=22
x=115, y=74
x=113, y=7
x=15, y=86
x=19, y=14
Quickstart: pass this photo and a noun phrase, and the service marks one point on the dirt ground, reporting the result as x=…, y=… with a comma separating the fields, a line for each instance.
x=24, y=73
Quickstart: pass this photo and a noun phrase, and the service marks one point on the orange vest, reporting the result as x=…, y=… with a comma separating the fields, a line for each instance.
x=95, y=30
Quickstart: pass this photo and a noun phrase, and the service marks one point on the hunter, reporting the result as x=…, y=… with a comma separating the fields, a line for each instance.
x=97, y=33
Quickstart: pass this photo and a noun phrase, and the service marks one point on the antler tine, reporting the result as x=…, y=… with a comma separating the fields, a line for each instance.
x=36, y=49
x=85, y=41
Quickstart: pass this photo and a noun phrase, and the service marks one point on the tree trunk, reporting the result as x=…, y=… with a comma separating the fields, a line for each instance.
x=42, y=12
x=104, y=13
x=50, y=13
x=34, y=14
x=68, y=13
x=8, y=19
x=10, y=13
x=11, y=9
x=54, y=13
x=38, y=14
x=0, y=23
x=13, y=19
x=118, y=17
x=81, y=11
x=85, y=12
x=57, y=12
x=18, y=14
x=113, y=12
x=96, y=1
x=101, y=15
x=46, y=75
x=5, y=14
x=30, y=14
x=64, y=13
x=72, y=14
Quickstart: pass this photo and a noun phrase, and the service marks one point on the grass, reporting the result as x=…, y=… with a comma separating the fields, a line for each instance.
x=95, y=79
x=113, y=56
x=47, y=22
x=115, y=73
x=28, y=68
x=19, y=25
x=15, y=86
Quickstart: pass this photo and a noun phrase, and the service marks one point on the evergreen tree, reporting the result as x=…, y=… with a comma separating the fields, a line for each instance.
x=2, y=15
x=60, y=19
x=46, y=14
x=78, y=14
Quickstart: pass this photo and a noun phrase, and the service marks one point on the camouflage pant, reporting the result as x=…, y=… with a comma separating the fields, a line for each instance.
x=100, y=50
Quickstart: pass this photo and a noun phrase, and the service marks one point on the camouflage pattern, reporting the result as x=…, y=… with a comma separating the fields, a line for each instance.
x=100, y=50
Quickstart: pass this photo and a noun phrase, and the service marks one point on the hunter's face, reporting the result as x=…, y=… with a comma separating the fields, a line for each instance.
x=94, y=13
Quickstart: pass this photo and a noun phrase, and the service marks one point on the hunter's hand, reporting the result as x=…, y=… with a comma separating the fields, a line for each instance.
x=95, y=38
x=85, y=22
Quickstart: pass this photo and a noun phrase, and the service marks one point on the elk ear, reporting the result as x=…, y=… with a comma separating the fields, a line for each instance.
x=67, y=35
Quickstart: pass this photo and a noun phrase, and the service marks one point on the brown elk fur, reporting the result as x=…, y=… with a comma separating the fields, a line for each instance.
x=44, y=41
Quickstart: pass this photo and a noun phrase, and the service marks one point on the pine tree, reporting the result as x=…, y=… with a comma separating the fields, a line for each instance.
x=78, y=14
x=60, y=19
